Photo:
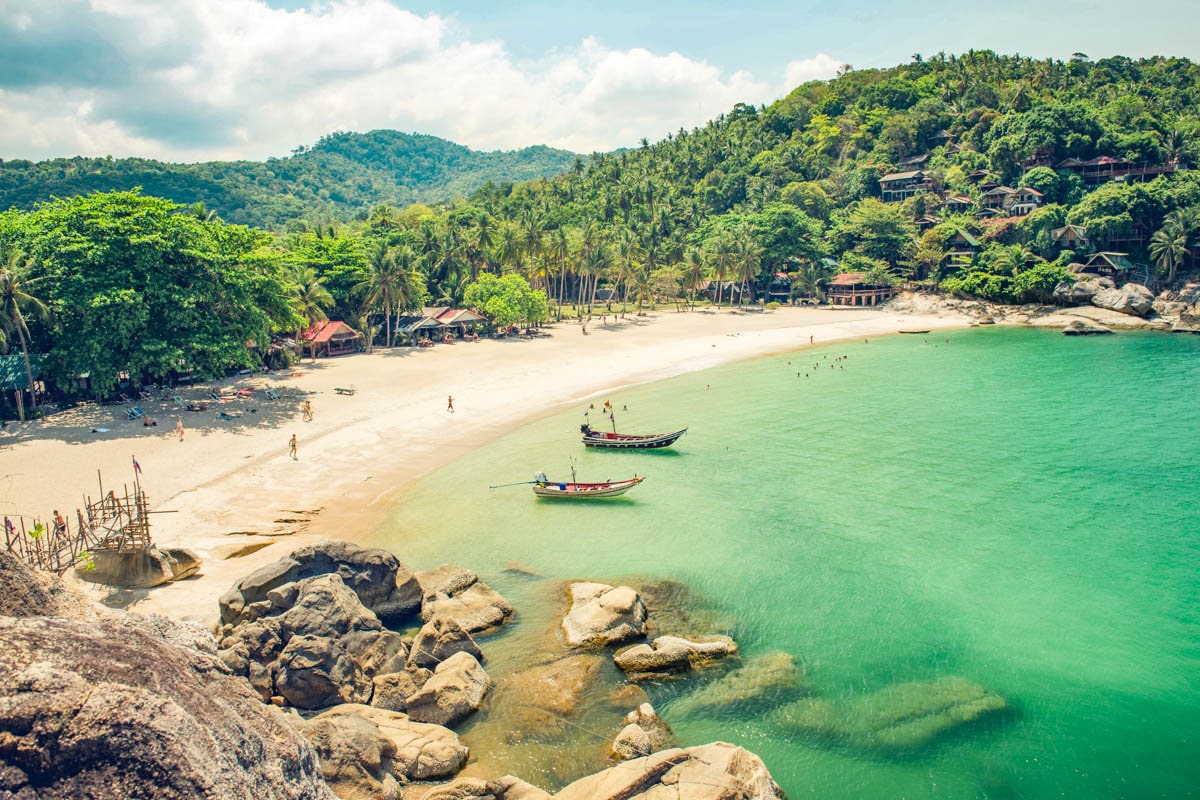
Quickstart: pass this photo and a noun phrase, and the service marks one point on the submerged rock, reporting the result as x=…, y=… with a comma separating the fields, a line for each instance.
x=601, y=614
x=540, y=700
x=716, y=771
x=127, y=707
x=672, y=654
x=767, y=678
x=381, y=582
x=906, y=716
x=644, y=732
x=1082, y=327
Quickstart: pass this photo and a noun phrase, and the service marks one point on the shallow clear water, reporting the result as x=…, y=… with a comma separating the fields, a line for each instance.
x=1010, y=506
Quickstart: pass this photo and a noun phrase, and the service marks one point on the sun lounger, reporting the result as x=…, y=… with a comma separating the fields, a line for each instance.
x=272, y=394
x=349, y=391
x=133, y=413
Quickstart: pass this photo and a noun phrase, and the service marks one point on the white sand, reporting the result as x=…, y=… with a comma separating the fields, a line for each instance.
x=232, y=481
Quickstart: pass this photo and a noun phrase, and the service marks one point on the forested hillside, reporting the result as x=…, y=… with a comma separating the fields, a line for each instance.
x=980, y=175
x=341, y=176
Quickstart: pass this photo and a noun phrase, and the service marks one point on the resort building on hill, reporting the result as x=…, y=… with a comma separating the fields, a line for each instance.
x=330, y=338
x=1111, y=265
x=1023, y=201
x=958, y=204
x=997, y=198
x=849, y=289
x=899, y=186
x=1101, y=170
x=962, y=245
x=1073, y=237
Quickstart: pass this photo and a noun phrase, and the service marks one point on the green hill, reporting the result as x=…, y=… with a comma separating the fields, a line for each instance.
x=341, y=176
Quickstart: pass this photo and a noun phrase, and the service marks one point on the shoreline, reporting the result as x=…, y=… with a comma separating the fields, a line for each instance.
x=231, y=482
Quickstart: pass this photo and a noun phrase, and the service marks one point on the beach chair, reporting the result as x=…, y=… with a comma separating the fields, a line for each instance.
x=133, y=413
x=272, y=394
x=177, y=400
x=124, y=397
x=144, y=395
x=350, y=390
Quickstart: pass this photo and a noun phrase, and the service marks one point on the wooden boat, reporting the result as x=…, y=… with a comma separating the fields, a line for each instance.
x=912, y=331
x=628, y=441
x=584, y=491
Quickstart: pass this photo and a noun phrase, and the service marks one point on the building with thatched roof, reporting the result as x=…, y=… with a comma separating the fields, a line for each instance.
x=849, y=289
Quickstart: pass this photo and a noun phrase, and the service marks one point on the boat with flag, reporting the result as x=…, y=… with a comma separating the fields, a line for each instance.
x=572, y=490
x=628, y=441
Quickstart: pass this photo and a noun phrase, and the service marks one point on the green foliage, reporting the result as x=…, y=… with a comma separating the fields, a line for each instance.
x=507, y=300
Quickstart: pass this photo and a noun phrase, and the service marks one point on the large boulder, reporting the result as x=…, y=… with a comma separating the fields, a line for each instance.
x=1132, y=298
x=767, y=679
x=454, y=692
x=439, y=639
x=506, y=788
x=1085, y=327
x=393, y=689
x=356, y=758
x=668, y=654
x=414, y=751
x=716, y=771
x=906, y=716
x=381, y=582
x=1079, y=292
x=644, y=732
x=457, y=593
x=602, y=615
x=142, y=569
x=29, y=592
x=540, y=701
x=126, y=707
x=314, y=644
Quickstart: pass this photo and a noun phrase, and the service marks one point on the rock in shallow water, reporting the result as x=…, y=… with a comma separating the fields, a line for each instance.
x=601, y=614
x=906, y=716
x=767, y=678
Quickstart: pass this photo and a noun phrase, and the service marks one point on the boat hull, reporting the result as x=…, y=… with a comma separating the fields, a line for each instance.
x=627, y=441
x=584, y=491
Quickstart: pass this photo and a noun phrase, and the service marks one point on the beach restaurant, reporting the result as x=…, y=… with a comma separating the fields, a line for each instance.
x=331, y=338
x=849, y=289
x=443, y=323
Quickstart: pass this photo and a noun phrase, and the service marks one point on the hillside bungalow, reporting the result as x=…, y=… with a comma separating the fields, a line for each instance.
x=1102, y=169
x=913, y=161
x=997, y=198
x=925, y=223
x=962, y=245
x=1073, y=237
x=899, y=186
x=958, y=204
x=979, y=176
x=330, y=338
x=849, y=289
x=1109, y=265
x=1023, y=201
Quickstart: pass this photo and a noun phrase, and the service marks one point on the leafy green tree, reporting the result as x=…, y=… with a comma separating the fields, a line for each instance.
x=14, y=297
x=507, y=300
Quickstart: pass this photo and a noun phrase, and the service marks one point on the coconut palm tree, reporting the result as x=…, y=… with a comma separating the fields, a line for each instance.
x=1168, y=247
x=748, y=260
x=380, y=288
x=14, y=297
x=722, y=261
x=1013, y=259
x=310, y=298
x=693, y=272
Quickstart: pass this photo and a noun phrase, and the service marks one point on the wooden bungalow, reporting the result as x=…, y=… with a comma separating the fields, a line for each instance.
x=958, y=204
x=1072, y=237
x=1024, y=201
x=925, y=223
x=962, y=245
x=457, y=321
x=899, y=186
x=330, y=338
x=979, y=176
x=913, y=161
x=1110, y=265
x=997, y=198
x=849, y=289
x=14, y=378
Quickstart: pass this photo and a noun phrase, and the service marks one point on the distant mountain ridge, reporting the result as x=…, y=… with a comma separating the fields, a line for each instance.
x=342, y=175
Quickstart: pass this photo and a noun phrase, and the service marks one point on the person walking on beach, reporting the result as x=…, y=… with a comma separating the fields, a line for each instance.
x=292, y=447
x=450, y=404
x=306, y=411
x=179, y=427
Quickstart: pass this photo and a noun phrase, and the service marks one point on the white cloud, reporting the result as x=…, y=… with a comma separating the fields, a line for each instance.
x=818, y=68
x=203, y=79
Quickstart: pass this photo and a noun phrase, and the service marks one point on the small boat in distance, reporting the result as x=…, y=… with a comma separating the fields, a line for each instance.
x=912, y=331
x=628, y=441
x=543, y=487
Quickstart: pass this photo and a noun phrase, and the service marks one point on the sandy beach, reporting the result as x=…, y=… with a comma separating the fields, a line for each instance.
x=232, y=482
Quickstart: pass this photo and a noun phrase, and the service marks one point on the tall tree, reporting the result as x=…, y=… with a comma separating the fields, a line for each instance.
x=1168, y=247
x=13, y=298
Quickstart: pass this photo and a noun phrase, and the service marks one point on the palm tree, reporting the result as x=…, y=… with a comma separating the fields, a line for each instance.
x=693, y=266
x=381, y=286
x=1168, y=246
x=722, y=260
x=310, y=298
x=12, y=297
x=557, y=250
x=1013, y=259
x=748, y=259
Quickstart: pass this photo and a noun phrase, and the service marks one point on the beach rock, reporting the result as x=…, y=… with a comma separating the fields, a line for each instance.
x=439, y=639
x=1132, y=298
x=139, y=570
x=716, y=771
x=355, y=756
x=395, y=745
x=510, y=788
x=314, y=644
x=393, y=689
x=454, y=592
x=1082, y=327
x=461, y=789
x=906, y=716
x=125, y=708
x=454, y=692
x=540, y=701
x=601, y=614
x=644, y=732
x=672, y=654
x=1080, y=292
x=29, y=592
x=381, y=582
x=767, y=679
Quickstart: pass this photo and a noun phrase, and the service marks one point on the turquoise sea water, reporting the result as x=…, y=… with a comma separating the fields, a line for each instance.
x=1010, y=506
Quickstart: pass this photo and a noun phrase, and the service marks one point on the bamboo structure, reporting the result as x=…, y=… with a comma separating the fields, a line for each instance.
x=114, y=523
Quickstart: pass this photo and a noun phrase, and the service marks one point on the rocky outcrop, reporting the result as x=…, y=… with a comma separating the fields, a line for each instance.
x=439, y=639
x=1080, y=292
x=381, y=582
x=139, y=570
x=770, y=678
x=906, y=716
x=314, y=644
x=1082, y=327
x=364, y=751
x=29, y=592
x=602, y=615
x=454, y=692
x=506, y=788
x=128, y=707
x=457, y=593
x=644, y=732
x=668, y=654
x=717, y=771
x=1132, y=298
x=393, y=689
x=541, y=700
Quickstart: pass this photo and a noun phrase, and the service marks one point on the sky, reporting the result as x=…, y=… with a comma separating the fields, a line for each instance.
x=196, y=80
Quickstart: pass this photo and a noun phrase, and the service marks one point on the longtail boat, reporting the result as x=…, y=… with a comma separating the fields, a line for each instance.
x=628, y=441
x=570, y=490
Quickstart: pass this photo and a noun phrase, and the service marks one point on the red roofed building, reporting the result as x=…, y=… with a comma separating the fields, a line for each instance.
x=330, y=338
x=849, y=289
